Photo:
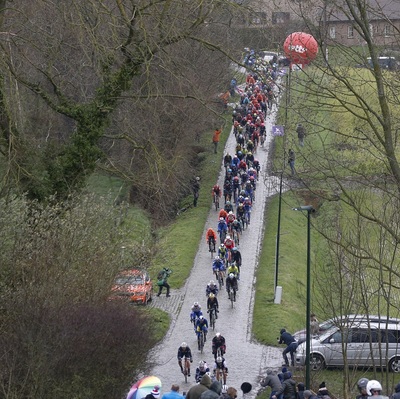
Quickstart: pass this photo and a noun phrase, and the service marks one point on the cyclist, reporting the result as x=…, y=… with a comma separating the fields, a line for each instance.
x=216, y=190
x=237, y=229
x=211, y=288
x=229, y=220
x=235, y=187
x=233, y=269
x=228, y=207
x=222, y=252
x=227, y=190
x=222, y=214
x=252, y=172
x=249, y=189
x=242, y=166
x=247, y=208
x=211, y=237
x=229, y=244
x=235, y=161
x=185, y=353
x=227, y=160
x=212, y=303
x=218, y=342
x=201, y=370
x=201, y=325
x=231, y=281
x=219, y=267
x=253, y=184
x=237, y=257
x=220, y=366
x=196, y=312
x=222, y=228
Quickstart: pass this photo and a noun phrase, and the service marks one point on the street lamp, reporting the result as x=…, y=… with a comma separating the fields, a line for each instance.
x=309, y=210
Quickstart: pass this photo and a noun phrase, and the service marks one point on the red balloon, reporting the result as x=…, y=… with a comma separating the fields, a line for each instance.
x=300, y=47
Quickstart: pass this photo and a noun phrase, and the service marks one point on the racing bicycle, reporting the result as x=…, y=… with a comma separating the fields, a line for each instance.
x=211, y=246
x=213, y=316
x=186, y=367
x=201, y=339
x=216, y=201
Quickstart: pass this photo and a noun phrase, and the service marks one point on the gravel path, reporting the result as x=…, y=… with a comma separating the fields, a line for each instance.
x=246, y=359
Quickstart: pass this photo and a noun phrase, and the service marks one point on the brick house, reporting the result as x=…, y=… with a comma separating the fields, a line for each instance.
x=384, y=17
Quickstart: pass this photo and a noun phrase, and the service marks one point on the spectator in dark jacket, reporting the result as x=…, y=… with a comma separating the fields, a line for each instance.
x=288, y=339
x=272, y=381
x=288, y=388
x=396, y=394
x=323, y=391
x=196, y=390
x=300, y=390
x=309, y=395
x=214, y=392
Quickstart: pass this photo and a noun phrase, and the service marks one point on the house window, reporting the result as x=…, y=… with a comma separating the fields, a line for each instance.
x=332, y=32
x=387, y=31
x=259, y=18
x=350, y=32
x=280, y=17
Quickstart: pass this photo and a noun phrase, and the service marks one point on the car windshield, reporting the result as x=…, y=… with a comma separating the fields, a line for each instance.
x=129, y=280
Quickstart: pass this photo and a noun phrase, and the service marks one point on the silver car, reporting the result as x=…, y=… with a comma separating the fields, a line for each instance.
x=357, y=344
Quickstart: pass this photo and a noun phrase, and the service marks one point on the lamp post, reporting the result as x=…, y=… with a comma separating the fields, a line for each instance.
x=309, y=210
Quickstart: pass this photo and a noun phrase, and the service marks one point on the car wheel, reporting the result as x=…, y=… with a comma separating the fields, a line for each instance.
x=394, y=365
x=317, y=362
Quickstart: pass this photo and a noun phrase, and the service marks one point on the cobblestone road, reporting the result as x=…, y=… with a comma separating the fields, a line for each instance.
x=246, y=359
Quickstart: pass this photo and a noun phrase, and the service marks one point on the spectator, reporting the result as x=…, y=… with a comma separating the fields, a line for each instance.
x=213, y=392
x=374, y=388
x=196, y=390
x=314, y=324
x=309, y=395
x=272, y=381
x=162, y=280
x=291, y=159
x=215, y=139
x=362, y=388
x=280, y=375
x=154, y=394
x=288, y=339
x=231, y=393
x=174, y=394
x=300, y=390
x=323, y=391
x=301, y=133
x=396, y=394
x=288, y=388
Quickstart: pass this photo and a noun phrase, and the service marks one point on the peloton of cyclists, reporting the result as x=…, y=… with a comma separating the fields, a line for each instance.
x=185, y=353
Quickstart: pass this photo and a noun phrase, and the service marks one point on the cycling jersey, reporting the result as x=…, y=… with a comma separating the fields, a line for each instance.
x=212, y=303
x=222, y=226
x=211, y=289
x=218, y=265
x=211, y=234
x=233, y=269
x=229, y=243
x=221, y=365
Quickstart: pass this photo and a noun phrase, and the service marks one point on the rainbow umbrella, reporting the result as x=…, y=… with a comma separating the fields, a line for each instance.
x=143, y=387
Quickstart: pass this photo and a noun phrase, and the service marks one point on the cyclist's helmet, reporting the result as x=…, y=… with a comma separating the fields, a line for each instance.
x=234, y=249
x=228, y=202
x=219, y=359
x=231, y=275
x=236, y=178
x=211, y=282
x=183, y=345
x=216, y=258
x=195, y=304
x=218, y=334
x=222, y=246
x=241, y=205
x=211, y=296
x=221, y=219
x=201, y=317
x=202, y=364
x=362, y=383
x=373, y=385
x=230, y=213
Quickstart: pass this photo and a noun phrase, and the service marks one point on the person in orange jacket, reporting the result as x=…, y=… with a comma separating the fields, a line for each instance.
x=215, y=138
x=211, y=235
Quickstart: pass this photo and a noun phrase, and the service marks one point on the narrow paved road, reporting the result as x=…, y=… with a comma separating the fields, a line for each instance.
x=246, y=359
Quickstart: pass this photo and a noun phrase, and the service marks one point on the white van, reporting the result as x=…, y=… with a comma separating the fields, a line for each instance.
x=356, y=343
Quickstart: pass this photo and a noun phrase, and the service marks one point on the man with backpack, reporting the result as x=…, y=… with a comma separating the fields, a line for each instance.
x=162, y=280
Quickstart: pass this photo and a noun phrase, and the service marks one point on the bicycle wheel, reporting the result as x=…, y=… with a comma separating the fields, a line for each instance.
x=201, y=341
x=231, y=296
x=212, y=319
x=219, y=278
x=185, y=373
